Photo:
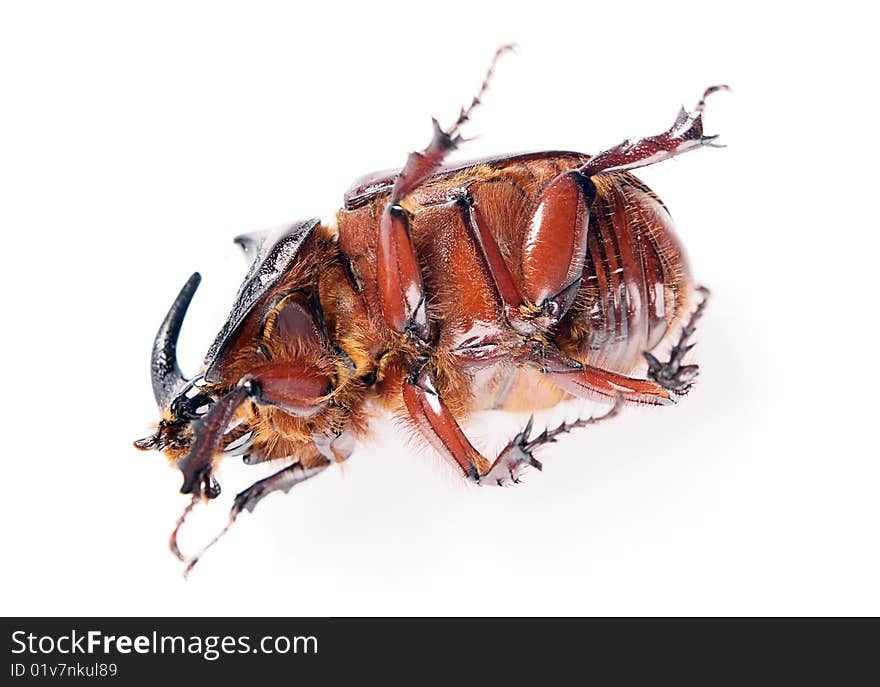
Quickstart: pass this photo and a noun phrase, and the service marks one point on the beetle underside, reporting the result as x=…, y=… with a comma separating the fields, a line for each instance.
x=511, y=283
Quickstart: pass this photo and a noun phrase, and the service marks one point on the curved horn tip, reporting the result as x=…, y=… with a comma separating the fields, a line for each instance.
x=166, y=374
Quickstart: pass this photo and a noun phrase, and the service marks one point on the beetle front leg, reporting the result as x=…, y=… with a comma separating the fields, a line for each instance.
x=685, y=134
x=197, y=465
x=284, y=480
x=295, y=389
x=307, y=464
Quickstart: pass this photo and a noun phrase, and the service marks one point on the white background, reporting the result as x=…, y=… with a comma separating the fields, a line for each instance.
x=137, y=140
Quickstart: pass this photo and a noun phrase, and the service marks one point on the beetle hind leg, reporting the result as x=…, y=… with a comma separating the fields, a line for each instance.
x=685, y=134
x=672, y=374
x=518, y=454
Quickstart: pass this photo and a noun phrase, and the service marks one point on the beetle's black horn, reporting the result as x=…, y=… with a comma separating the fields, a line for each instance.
x=163, y=364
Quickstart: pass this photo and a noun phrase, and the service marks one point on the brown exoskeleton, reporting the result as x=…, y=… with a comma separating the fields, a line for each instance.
x=509, y=283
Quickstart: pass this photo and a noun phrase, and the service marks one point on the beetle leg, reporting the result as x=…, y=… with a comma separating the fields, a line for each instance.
x=477, y=227
x=401, y=291
x=672, y=374
x=433, y=418
x=172, y=540
x=294, y=389
x=336, y=447
x=420, y=165
x=437, y=424
x=555, y=245
x=665, y=380
x=283, y=480
x=196, y=465
x=518, y=454
x=685, y=134
x=585, y=381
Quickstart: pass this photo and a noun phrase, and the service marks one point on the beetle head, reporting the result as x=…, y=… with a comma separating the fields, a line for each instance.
x=273, y=345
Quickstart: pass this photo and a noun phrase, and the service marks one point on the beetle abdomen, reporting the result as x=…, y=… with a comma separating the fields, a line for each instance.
x=636, y=278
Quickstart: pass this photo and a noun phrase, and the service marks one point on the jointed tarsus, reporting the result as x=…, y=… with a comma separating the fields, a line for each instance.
x=421, y=164
x=172, y=540
x=549, y=435
x=686, y=133
x=672, y=374
x=465, y=113
x=517, y=455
